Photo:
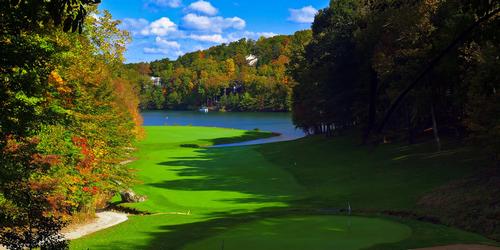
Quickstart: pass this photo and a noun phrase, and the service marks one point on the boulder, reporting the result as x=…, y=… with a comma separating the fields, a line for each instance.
x=131, y=197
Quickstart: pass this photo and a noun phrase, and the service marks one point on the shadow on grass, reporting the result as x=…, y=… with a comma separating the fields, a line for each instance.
x=227, y=170
x=248, y=171
x=240, y=170
x=179, y=235
x=264, y=191
x=247, y=136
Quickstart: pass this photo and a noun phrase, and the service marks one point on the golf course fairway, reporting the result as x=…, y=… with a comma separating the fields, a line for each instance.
x=288, y=195
x=309, y=232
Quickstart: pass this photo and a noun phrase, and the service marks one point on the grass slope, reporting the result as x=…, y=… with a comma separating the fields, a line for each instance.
x=311, y=232
x=280, y=195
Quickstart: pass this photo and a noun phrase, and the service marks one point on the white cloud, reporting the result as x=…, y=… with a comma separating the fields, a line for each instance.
x=231, y=37
x=216, y=38
x=153, y=4
x=134, y=26
x=199, y=28
x=257, y=35
x=162, y=51
x=235, y=22
x=197, y=22
x=160, y=27
x=212, y=24
x=164, y=47
x=203, y=7
x=164, y=43
x=235, y=36
x=142, y=27
x=303, y=15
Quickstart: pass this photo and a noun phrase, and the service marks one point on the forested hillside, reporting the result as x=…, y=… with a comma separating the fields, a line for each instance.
x=224, y=77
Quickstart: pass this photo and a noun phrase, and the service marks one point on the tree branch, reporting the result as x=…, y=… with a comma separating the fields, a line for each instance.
x=432, y=64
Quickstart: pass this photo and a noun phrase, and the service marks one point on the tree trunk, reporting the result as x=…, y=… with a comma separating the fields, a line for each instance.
x=372, y=104
x=433, y=63
x=411, y=129
x=435, y=128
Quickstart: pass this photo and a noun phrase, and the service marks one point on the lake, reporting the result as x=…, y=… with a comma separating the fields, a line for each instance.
x=274, y=122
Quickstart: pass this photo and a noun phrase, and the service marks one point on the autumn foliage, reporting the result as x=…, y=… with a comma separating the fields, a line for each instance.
x=68, y=119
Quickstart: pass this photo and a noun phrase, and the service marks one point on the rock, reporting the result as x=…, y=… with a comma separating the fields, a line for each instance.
x=131, y=197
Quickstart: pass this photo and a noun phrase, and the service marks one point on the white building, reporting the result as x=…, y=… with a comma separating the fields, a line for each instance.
x=252, y=60
x=156, y=80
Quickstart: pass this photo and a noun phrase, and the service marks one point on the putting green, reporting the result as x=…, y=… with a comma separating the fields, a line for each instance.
x=307, y=232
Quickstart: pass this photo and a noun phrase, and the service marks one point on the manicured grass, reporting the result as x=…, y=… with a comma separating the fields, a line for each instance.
x=308, y=232
x=386, y=177
x=277, y=195
x=180, y=179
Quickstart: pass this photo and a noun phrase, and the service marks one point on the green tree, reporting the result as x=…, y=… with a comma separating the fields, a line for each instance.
x=69, y=123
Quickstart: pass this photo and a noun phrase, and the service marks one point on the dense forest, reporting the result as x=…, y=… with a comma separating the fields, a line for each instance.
x=245, y=75
x=67, y=118
x=402, y=69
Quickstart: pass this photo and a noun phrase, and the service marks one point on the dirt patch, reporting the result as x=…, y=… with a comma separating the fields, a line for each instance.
x=472, y=204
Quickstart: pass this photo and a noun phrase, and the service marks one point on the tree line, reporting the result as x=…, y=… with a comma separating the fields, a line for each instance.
x=402, y=69
x=68, y=117
x=224, y=77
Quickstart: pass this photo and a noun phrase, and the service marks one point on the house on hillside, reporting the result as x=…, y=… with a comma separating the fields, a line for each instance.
x=252, y=60
x=156, y=81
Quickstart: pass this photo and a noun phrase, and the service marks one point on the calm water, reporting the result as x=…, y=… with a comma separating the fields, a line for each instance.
x=275, y=122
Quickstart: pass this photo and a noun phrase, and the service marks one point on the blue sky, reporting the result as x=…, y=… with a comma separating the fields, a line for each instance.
x=169, y=28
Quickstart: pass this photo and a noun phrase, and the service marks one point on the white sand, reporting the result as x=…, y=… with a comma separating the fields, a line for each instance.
x=104, y=220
